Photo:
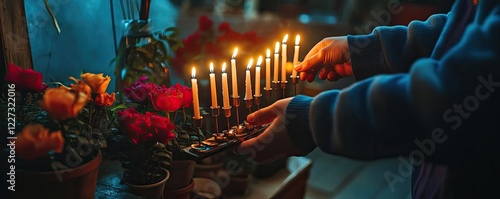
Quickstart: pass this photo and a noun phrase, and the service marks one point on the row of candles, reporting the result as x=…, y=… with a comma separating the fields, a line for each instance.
x=248, y=83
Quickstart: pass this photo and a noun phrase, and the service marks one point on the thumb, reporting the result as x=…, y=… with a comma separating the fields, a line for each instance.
x=263, y=116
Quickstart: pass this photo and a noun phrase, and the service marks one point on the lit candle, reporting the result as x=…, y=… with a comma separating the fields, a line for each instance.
x=196, y=102
x=276, y=61
x=296, y=56
x=225, y=89
x=213, y=88
x=234, y=75
x=268, y=69
x=257, y=76
x=283, y=59
x=248, y=82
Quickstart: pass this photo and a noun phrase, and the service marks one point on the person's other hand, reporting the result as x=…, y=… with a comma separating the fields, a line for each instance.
x=274, y=142
x=329, y=57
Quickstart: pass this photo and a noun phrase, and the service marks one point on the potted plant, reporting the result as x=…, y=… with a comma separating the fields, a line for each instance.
x=144, y=156
x=172, y=104
x=60, y=131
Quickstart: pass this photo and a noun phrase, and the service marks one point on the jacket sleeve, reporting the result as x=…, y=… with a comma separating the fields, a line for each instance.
x=393, y=49
x=382, y=116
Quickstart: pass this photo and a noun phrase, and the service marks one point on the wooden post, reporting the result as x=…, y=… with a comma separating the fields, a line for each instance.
x=14, y=34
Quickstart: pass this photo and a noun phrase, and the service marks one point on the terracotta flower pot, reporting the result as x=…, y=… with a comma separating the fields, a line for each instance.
x=183, y=193
x=78, y=183
x=151, y=191
x=181, y=174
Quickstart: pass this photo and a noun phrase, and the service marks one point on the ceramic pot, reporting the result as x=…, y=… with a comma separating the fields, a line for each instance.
x=150, y=191
x=183, y=193
x=77, y=183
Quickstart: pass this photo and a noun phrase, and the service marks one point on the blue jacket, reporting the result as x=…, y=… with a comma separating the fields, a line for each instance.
x=428, y=94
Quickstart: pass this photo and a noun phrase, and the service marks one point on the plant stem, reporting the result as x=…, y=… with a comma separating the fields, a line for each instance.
x=184, y=116
x=175, y=116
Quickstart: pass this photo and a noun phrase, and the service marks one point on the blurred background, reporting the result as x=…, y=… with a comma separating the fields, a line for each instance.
x=91, y=31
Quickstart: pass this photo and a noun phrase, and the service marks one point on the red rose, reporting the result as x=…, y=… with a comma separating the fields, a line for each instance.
x=166, y=99
x=25, y=79
x=134, y=125
x=161, y=128
x=187, y=97
x=139, y=91
x=205, y=23
x=223, y=27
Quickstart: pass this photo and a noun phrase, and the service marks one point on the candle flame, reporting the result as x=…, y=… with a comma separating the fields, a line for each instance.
x=193, y=73
x=297, y=40
x=268, y=53
x=250, y=64
x=224, y=67
x=235, y=52
x=211, y=67
x=285, y=38
x=277, y=47
x=259, y=61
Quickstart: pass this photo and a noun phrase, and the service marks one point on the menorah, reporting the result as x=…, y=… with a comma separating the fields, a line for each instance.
x=234, y=134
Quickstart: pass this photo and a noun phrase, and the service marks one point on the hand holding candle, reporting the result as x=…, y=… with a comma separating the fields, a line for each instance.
x=283, y=59
x=225, y=89
x=296, y=56
x=234, y=75
x=248, y=82
x=213, y=87
x=276, y=61
x=257, y=76
x=196, y=102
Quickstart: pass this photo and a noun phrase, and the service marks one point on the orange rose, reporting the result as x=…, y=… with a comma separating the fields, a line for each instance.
x=97, y=82
x=61, y=103
x=81, y=86
x=35, y=141
x=105, y=99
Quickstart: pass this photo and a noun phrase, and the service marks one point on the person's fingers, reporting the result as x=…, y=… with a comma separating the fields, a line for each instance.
x=263, y=147
x=303, y=76
x=333, y=76
x=264, y=115
x=324, y=72
x=311, y=76
x=314, y=62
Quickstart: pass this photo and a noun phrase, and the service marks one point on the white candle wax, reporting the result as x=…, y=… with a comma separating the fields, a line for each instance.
x=225, y=89
x=196, y=102
x=283, y=59
x=296, y=56
x=248, y=82
x=213, y=86
x=257, y=76
x=268, y=70
x=276, y=61
x=234, y=74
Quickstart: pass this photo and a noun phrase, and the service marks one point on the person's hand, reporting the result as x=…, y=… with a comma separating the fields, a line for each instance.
x=274, y=142
x=330, y=57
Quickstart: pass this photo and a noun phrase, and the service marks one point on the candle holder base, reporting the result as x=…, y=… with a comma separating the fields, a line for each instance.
x=249, y=104
x=283, y=88
x=268, y=95
x=227, y=113
x=257, y=100
x=215, y=114
x=236, y=104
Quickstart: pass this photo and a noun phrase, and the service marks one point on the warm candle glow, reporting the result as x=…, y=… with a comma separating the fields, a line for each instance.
x=249, y=66
x=296, y=56
x=194, y=88
x=283, y=59
x=276, y=62
x=225, y=89
x=268, y=70
x=235, y=52
x=285, y=39
x=213, y=86
x=248, y=82
x=234, y=76
x=257, y=76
